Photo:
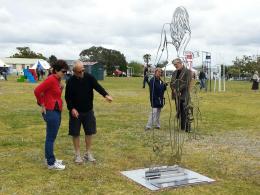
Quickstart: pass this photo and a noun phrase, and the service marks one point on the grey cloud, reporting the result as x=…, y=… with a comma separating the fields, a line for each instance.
x=134, y=27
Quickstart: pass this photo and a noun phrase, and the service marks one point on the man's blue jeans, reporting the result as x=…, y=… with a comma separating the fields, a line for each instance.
x=52, y=119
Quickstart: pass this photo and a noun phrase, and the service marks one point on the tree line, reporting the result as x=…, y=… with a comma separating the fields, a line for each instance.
x=112, y=59
x=244, y=66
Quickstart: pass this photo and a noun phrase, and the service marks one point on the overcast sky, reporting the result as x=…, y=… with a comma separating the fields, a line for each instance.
x=226, y=28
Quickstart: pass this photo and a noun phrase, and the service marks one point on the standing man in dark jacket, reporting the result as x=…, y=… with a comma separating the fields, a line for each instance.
x=180, y=85
x=157, y=88
x=79, y=97
x=146, y=77
x=202, y=78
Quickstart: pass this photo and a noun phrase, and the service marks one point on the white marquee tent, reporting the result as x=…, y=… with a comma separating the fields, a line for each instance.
x=169, y=67
x=2, y=64
x=42, y=64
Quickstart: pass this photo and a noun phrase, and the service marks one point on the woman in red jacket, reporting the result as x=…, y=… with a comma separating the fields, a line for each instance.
x=48, y=95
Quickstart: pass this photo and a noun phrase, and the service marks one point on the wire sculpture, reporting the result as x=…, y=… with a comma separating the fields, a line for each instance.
x=180, y=29
x=179, y=34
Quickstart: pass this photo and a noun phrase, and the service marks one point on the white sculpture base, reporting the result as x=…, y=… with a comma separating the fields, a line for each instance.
x=166, y=177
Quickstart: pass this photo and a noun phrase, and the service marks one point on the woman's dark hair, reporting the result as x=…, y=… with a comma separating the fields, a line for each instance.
x=59, y=65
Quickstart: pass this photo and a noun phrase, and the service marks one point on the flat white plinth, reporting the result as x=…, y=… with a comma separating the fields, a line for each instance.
x=190, y=178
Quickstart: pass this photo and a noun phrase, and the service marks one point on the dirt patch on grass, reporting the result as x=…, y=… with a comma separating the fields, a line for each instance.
x=231, y=155
x=240, y=142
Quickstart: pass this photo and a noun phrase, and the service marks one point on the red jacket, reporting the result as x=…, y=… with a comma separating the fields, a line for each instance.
x=49, y=92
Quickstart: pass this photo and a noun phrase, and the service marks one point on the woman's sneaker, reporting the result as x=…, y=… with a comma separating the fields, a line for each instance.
x=56, y=166
x=57, y=160
x=88, y=157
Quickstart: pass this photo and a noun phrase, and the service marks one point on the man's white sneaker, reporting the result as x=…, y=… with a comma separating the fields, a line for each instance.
x=78, y=159
x=89, y=157
x=57, y=160
x=56, y=166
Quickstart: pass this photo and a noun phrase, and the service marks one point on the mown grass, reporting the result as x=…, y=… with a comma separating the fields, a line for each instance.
x=227, y=148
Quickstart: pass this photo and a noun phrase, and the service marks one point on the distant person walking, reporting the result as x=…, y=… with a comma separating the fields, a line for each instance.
x=48, y=95
x=5, y=72
x=255, y=85
x=202, y=78
x=145, y=76
x=38, y=72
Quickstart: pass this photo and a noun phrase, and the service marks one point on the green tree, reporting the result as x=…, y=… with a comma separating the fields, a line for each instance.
x=147, y=59
x=244, y=67
x=137, y=68
x=25, y=52
x=110, y=58
x=52, y=59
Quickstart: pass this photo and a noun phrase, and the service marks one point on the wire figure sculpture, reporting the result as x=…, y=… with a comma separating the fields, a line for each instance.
x=178, y=34
x=180, y=29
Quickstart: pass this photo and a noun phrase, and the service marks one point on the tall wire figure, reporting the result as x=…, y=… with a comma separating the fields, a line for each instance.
x=178, y=34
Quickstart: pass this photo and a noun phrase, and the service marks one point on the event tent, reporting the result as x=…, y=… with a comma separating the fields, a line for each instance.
x=169, y=67
x=41, y=64
x=2, y=64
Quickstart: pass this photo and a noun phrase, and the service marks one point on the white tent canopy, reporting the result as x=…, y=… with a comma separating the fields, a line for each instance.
x=2, y=64
x=43, y=64
x=169, y=67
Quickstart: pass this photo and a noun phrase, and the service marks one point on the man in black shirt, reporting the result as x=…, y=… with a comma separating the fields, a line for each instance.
x=79, y=97
x=180, y=85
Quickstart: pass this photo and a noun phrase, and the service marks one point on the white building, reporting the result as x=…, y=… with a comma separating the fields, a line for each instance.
x=17, y=64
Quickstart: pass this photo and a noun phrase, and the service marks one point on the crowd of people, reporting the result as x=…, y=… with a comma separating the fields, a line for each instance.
x=79, y=95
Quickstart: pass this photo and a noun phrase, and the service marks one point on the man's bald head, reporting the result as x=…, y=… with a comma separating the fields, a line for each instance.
x=77, y=65
x=78, y=68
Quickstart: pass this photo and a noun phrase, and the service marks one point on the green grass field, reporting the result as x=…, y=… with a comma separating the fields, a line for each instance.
x=227, y=148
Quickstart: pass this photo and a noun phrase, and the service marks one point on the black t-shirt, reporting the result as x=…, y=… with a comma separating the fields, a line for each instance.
x=202, y=75
x=79, y=92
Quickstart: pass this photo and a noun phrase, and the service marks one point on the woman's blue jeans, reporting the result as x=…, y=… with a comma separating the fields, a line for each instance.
x=52, y=119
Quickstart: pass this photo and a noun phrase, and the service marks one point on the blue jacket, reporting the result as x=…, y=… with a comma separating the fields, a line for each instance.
x=157, y=88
